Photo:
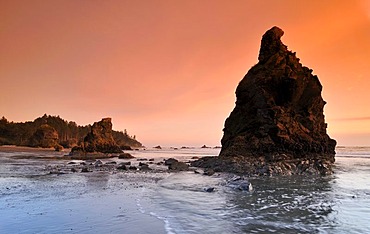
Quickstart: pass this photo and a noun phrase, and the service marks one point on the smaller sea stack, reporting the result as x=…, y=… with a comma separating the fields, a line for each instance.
x=99, y=139
x=277, y=125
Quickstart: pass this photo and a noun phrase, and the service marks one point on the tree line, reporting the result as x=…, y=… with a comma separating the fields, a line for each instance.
x=69, y=133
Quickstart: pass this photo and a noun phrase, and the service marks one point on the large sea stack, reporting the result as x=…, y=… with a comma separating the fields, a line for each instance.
x=277, y=125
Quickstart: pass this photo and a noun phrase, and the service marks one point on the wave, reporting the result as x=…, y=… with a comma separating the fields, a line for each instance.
x=353, y=151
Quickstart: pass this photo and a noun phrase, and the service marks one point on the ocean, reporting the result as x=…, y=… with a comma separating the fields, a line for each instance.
x=34, y=201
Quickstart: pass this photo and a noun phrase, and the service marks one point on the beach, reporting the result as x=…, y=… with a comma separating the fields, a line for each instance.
x=34, y=200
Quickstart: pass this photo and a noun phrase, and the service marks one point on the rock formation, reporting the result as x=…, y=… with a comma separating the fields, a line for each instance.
x=99, y=139
x=69, y=133
x=45, y=136
x=277, y=125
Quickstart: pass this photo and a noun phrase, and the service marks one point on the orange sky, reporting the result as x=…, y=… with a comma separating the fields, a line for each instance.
x=167, y=70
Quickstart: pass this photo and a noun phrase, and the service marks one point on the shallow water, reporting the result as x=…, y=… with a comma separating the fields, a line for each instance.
x=339, y=203
x=32, y=201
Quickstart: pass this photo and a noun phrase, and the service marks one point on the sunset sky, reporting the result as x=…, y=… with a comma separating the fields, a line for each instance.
x=167, y=70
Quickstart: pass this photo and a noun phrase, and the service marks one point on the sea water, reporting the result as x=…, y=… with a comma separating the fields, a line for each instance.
x=339, y=203
x=33, y=201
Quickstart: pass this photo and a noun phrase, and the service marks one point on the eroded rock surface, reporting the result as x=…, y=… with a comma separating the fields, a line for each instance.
x=99, y=139
x=45, y=136
x=277, y=125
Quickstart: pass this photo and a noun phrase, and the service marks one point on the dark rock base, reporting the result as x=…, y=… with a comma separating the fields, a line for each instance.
x=261, y=167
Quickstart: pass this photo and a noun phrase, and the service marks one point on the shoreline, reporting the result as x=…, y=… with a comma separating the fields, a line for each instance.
x=15, y=148
x=59, y=162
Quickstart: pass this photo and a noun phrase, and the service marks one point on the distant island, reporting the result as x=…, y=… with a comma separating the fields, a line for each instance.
x=54, y=132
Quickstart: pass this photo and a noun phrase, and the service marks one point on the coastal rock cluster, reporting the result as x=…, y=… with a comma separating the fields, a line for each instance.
x=277, y=125
x=116, y=163
x=99, y=139
x=66, y=134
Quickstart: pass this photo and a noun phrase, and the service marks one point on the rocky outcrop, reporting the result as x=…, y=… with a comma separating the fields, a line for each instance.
x=175, y=165
x=125, y=156
x=277, y=125
x=46, y=137
x=178, y=166
x=69, y=133
x=99, y=139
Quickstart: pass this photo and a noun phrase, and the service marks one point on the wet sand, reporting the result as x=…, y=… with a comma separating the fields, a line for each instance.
x=11, y=149
x=34, y=200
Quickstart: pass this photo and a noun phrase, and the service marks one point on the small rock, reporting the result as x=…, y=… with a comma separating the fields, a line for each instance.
x=145, y=167
x=122, y=167
x=240, y=183
x=170, y=161
x=142, y=164
x=198, y=171
x=157, y=147
x=245, y=186
x=142, y=159
x=98, y=163
x=208, y=172
x=73, y=170
x=125, y=163
x=209, y=190
x=85, y=169
x=151, y=160
x=125, y=156
x=125, y=147
x=110, y=163
x=132, y=168
x=178, y=166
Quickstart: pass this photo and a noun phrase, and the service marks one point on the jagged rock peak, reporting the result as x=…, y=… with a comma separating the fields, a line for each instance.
x=278, y=124
x=279, y=107
x=103, y=127
x=99, y=139
x=107, y=119
x=271, y=44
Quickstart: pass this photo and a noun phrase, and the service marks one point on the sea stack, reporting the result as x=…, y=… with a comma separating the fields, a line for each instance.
x=99, y=139
x=277, y=125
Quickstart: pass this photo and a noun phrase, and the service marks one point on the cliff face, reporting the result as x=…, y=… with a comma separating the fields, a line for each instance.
x=277, y=125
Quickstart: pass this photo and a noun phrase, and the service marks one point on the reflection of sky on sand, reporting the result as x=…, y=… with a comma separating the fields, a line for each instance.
x=83, y=203
x=97, y=181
